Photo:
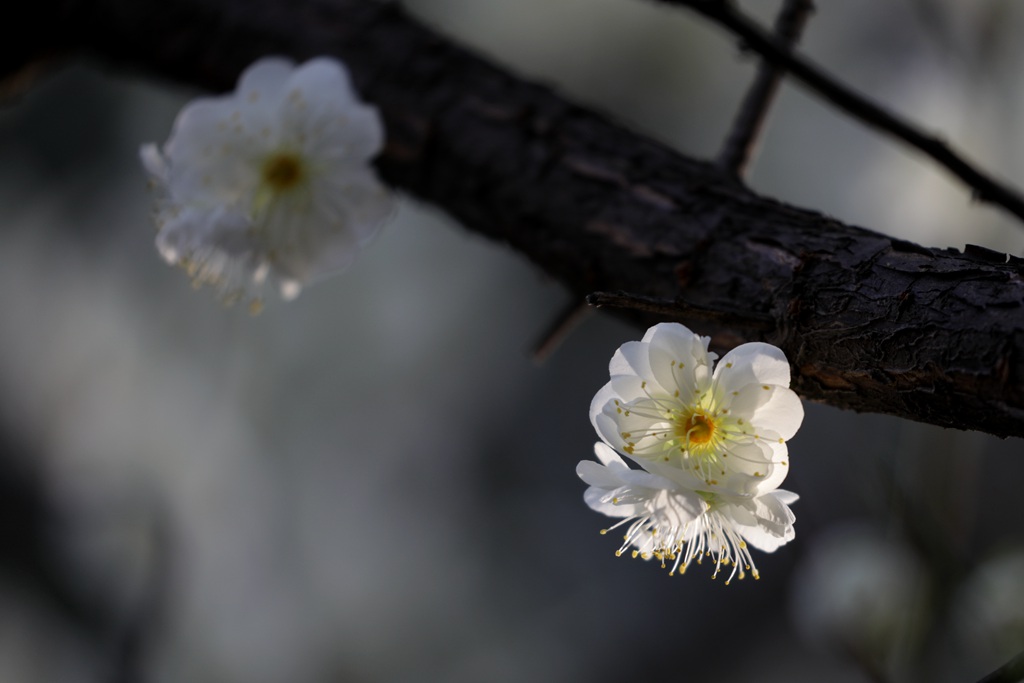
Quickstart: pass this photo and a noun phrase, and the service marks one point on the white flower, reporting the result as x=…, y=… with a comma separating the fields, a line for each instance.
x=272, y=180
x=712, y=445
x=861, y=594
x=676, y=524
x=989, y=608
x=727, y=427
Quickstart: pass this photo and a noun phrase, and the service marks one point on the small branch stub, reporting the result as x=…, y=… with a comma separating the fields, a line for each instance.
x=750, y=119
x=983, y=187
x=680, y=310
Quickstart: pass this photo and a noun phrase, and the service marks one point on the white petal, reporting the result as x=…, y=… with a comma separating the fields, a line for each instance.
x=596, y=474
x=748, y=456
x=265, y=76
x=784, y=413
x=675, y=375
x=630, y=388
x=307, y=245
x=765, y=541
x=776, y=474
x=767, y=407
x=742, y=514
x=631, y=359
x=339, y=127
x=741, y=484
x=679, y=506
x=609, y=458
x=193, y=230
x=326, y=79
x=753, y=363
x=603, y=396
x=671, y=363
x=599, y=500
x=786, y=497
x=682, y=480
x=648, y=484
x=360, y=201
x=668, y=330
x=678, y=343
x=774, y=525
x=608, y=428
x=154, y=162
x=211, y=155
x=358, y=136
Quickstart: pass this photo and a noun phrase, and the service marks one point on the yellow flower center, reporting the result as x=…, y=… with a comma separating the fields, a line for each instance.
x=283, y=171
x=697, y=429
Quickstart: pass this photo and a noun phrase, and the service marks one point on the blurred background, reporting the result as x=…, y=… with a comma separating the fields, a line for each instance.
x=376, y=483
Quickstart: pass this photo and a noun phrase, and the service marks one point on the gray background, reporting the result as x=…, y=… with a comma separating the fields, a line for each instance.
x=374, y=482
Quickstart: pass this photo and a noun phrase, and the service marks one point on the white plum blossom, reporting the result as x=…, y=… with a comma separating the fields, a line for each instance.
x=712, y=445
x=727, y=425
x=675, y=524
x=270, y=182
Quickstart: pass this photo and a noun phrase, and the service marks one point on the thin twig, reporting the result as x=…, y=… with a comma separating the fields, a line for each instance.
x=984, y=188
x=568, y=319
x=1011, y=672
x=739, y=146
x=633, y=302
x=677, y=310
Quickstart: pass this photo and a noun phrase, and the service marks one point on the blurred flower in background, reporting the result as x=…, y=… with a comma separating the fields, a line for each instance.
x=863, y=596
x=273, y=180
x=988, y=613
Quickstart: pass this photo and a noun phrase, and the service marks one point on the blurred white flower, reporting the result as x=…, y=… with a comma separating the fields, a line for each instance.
x=862, y=595
x=270, y=181
x=676, y=524
x=989, y=609
x=727, y=427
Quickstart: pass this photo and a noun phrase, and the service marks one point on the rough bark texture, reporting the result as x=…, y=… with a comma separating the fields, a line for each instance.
x=868, y=322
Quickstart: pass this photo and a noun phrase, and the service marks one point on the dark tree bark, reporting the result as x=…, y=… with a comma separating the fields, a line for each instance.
x=868, y=322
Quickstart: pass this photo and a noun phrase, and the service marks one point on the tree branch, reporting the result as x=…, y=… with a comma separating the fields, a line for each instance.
x=567, y=320
x=739, y=146
x=1011, y=672
x=868, y=322
x=984, y=188
x=680, y=310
